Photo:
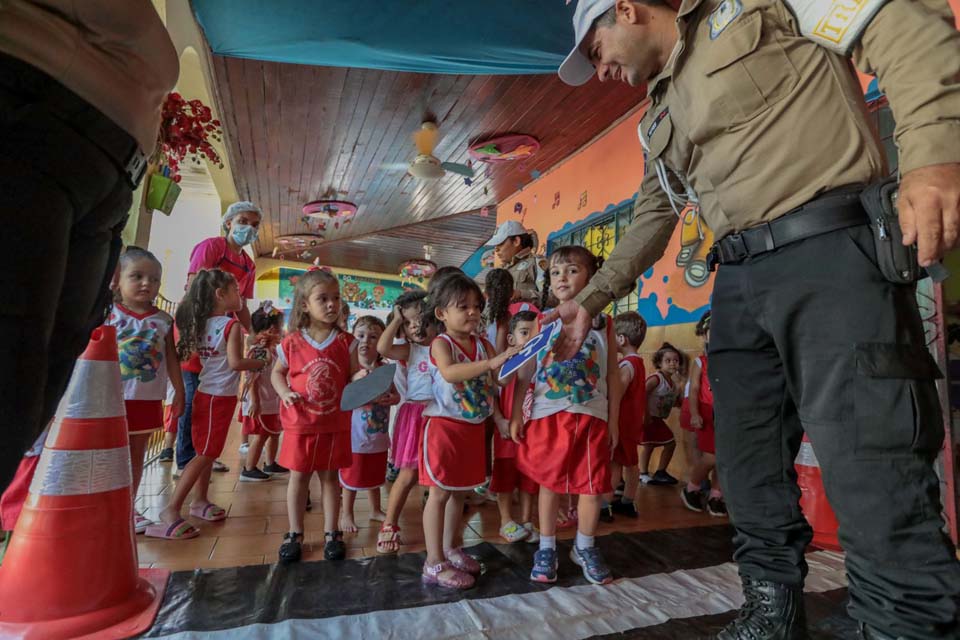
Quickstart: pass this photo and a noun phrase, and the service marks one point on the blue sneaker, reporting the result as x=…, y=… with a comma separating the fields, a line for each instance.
x=544, y=566
x=595, y=570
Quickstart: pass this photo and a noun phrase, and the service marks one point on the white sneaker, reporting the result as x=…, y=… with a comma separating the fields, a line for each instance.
x=645, y=478
x=534, y=533
x=244, y=448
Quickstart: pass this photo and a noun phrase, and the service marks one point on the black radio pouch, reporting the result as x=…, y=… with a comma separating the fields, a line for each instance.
x=897, y=263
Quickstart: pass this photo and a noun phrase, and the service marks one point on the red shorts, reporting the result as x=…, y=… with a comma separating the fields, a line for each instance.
x=685, y=416
x=169, y=422
x=706, y=437
x=144, y=416
x=452, y=454
x=210, y=422
x=366, y=471
x=506, y=477
x=567, y=453
x=309, y=452
x=656, y=432
x=12, y=500
x=626, y=453
x=262, y=425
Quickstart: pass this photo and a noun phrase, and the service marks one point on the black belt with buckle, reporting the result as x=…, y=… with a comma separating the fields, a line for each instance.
x=834, y=210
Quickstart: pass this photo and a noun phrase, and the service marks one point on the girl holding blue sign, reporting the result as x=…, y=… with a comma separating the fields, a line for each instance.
x=567, y=445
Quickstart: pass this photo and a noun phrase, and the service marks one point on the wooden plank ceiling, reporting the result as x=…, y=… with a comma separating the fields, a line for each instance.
x=299, y=133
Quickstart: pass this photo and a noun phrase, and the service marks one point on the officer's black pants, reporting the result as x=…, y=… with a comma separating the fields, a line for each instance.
x=811, y=338
x=62, y=207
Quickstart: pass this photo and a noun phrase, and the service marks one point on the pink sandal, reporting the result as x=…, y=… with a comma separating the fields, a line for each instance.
x=388, y=540
x=209, y=512
x=445, y=575
x=463, y=562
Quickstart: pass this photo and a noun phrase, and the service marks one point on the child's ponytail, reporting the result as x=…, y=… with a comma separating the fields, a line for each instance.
x=197, y=307
x=499, y=289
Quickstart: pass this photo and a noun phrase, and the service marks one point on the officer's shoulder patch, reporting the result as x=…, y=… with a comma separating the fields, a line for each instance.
x=721, y=17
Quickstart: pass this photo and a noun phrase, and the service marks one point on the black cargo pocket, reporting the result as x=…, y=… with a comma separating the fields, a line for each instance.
x=896, y=406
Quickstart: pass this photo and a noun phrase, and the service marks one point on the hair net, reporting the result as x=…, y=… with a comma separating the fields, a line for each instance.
x=236, y=209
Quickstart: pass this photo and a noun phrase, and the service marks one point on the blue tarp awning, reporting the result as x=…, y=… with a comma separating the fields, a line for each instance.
x=427, y=36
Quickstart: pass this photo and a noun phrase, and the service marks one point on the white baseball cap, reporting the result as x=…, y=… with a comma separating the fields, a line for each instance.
x=577, y=69
x=506, y=230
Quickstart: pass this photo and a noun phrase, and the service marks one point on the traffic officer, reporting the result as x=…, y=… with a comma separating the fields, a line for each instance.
x=513, y=247
x=757, y=117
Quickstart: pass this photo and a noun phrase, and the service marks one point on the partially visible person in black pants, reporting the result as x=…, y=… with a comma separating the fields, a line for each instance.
x=80, y=95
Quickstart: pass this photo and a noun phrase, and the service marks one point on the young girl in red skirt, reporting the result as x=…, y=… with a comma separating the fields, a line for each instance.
x=567, y=446
x=314, y=363
x=148, y=357
x=207, y=330
x=663, y=393
x=259, y=402
x=700, y=418
x=414, y=355
x=369, y=439
x=462, y=366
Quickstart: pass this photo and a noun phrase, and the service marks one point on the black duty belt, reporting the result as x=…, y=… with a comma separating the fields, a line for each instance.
x=52, y=100
x=838, y=209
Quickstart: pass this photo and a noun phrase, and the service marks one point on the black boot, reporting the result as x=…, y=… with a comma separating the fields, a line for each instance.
x=772, y=611
x=870, y=633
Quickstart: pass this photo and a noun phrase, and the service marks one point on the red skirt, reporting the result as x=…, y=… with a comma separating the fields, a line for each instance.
x=506, y=477
x=309, y=452
x=567, y=453
x=366, y=471
x=656, y=432
x=706, y=437
x=452, y=454
x=144, y=416
x=262, y=425
x=210, y=422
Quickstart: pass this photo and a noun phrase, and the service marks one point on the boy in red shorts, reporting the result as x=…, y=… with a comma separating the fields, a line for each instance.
x=629, y=329
x=506, y=477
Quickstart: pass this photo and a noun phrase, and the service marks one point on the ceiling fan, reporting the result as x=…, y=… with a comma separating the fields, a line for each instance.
x=427, y=166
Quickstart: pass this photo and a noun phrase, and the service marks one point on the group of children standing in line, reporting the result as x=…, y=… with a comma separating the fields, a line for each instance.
x=552, y=429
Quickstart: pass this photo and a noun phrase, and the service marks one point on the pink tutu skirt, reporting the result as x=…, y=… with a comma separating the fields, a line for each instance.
x=406, y=435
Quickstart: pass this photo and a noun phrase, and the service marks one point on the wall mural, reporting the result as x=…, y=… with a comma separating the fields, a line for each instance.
x=365, y=295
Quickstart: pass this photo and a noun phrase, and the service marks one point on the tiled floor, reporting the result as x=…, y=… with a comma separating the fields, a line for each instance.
x=257, y=520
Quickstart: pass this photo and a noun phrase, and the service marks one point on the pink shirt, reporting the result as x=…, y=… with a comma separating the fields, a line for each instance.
x=215, y=253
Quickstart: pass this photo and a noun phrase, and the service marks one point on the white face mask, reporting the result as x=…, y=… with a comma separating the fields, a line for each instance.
x=243, y=234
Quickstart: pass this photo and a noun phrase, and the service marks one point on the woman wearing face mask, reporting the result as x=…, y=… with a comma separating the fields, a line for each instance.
x=240, y=224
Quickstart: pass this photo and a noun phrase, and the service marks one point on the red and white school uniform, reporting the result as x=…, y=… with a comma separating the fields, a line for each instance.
x=705, y=435
x=142, y=350
x=633, y=407
x=567, y=445
x=216, y=398
x=267, y=423
x=316, y=432
x=452, y=444
x=417, y=394
x=660, y=402
x=506, y=477
x=15, y=495
x=369, y=441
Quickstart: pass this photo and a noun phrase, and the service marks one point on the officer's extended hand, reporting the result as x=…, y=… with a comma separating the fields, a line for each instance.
x=929, y=204
x=576, y=325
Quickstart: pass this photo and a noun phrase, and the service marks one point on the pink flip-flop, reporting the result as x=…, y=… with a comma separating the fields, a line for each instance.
x=179, y=530
x=209, y=512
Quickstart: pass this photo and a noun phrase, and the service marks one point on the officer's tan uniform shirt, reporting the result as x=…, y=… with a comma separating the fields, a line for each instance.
x=758, y=119
x=523, y=268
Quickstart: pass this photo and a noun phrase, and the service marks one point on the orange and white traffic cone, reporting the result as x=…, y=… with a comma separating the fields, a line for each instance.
x=71, y=568
x=813, y=499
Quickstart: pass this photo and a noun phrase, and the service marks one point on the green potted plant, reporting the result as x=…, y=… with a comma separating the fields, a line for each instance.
x=186, y=128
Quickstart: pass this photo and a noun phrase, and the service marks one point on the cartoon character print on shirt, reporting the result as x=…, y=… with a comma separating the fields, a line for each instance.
x=323, y=394
x=141, y=355
x=375, y=418
x=474, y=396
x=577, y=378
